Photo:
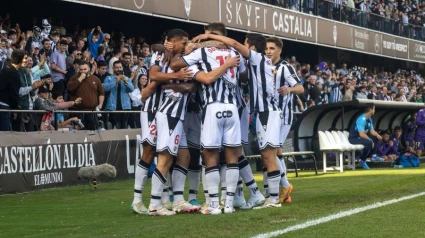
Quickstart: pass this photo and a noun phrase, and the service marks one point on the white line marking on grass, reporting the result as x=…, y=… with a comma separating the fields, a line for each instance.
x=337, y=216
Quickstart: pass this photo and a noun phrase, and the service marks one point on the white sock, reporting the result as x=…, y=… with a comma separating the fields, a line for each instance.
x=232, y=177
x=179, y=179
x=266, y=191
x=282, y=167
x=213, y=179
x=223, y=169
x=239, y=189
x=205, y=186
x=158, y=184
x=194, y=176
x=140, y=178
x=273, y=178
x=165, y=196
x=247, y=176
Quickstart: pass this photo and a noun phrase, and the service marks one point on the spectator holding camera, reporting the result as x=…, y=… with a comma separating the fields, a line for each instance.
x=119, y=86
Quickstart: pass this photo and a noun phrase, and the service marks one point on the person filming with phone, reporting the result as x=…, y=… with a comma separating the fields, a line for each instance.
x=119, y=86
x=90, y=89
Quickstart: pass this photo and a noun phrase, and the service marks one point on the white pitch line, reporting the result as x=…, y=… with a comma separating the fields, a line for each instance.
x=336, y=216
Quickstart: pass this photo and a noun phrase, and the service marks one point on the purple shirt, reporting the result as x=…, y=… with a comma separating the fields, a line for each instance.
x=420, y=123
x=59, y=59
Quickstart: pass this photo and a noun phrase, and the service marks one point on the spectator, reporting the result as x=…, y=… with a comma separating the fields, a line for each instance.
x=119, y=87
x=58, y=101
x=90, y=89
x=94, y=42
x=311, y=91
x=362, y=93
x=116, y=56
x=102, y=73
x=47, y=49
x=74, y=53
x=363, y=133
x=9, y=88
x=126, y=64
x=58, y=67
x=336, y=93
x=101, y=52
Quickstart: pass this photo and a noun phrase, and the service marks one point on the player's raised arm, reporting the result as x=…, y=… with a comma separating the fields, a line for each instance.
x=226, y=40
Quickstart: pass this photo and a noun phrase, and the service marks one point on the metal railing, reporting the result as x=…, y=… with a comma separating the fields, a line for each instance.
x=31, y=120
x=342, y=13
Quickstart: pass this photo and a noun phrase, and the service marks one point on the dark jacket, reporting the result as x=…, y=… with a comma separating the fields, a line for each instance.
x=9, y=86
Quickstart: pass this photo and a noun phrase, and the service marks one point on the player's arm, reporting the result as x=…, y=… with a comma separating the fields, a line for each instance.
x=149, y=90
x=156, y=75
x=179, y=61
x=293, y=81
x=210, y=77
x=181, y=87
x=226, y=40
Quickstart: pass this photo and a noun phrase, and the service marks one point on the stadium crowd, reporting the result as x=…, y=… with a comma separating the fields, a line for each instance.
x=398, y=17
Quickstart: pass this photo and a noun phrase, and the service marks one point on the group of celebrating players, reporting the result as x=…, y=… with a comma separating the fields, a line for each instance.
x=194, y=105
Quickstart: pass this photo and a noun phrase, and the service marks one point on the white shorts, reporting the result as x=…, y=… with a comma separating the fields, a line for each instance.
x=244, y=118
x=268, y=129
x=220, y=126
x=183, y=139
x=284, y=132
x=169, y=130
x=192, y=127
x=148, y=124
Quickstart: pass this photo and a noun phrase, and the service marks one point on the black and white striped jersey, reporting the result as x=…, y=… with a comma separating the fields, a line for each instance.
x=224, y=88
x=286, y=75
x=153, y=103
x=262, y=84
x=174, y=103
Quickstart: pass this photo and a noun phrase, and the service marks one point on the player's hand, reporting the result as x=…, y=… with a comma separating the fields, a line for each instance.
x=200, y=38
x=185, y=74
x=391, y=143
x=233, y=61
x=379, y=137
x=189, y=48
x=283, y=90
x=168, y=45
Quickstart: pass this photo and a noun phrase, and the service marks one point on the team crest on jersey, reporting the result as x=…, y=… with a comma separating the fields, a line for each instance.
x=171, y=132
x=274, y=72
x=175, y=148
x=154, y=139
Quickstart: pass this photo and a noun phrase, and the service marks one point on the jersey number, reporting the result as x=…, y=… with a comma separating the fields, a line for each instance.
x=153, y=130
x=176, y=140
x=221, y=59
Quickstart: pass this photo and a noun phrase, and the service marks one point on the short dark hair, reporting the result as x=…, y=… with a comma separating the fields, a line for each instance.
x=63, y=42
x=368, y=107
x=176, y=33
x=17, y=56
x=217, y=27
x=257, y=40
x=83, y=62
x=101, y=63
x=116, y=62
x=77, y=61
x=55, y=33
x=116, y=51
x=278, y=42
x=100, y=50
x=56, y=94
x=397, y=128
x=140, y=55
x=47, y=76
x=126, y=54
x=43, y=41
